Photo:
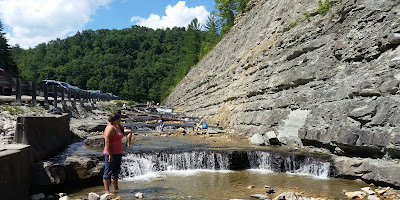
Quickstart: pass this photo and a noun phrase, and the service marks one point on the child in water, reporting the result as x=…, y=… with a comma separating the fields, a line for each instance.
x=161, y=124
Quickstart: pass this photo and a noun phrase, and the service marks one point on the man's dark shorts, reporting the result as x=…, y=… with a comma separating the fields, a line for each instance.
x=112, y=170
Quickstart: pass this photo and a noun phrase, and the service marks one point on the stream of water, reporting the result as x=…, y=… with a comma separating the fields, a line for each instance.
x=225, y=184
x=185, y=168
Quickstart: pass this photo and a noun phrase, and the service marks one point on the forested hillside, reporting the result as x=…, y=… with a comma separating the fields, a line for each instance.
x=136, y=63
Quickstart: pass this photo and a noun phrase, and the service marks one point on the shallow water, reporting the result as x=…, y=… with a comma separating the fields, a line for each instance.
x=209, y=184
x=212, y=184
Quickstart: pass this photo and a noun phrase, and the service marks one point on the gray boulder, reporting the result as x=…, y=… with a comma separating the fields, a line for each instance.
x=258, y=139
x=93, y=196
x=139, y=195
x=287, y=196
x=260, y=196
x=271, y=138
x=95, y=141
x=82, y=167
x=105, y=197
x=92, y=127
x=47, y=173
x=38, y=196
x=268, y=138
x=368, y=169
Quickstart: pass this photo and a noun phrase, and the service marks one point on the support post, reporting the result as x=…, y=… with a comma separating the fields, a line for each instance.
x=74, y=102
x=63, y=97
x=33, y=93
x=46, y=94
x=69, y=94
x=19, y=91
x=82, y=99
x=55, y=96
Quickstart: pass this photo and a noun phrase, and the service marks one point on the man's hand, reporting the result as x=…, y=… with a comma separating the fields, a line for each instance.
x=110, y=158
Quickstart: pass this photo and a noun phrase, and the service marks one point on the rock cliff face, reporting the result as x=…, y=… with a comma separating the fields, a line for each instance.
x=328, y=80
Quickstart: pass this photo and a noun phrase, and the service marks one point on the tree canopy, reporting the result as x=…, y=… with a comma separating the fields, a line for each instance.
x=136, y=63
x=6, y=61
x=227, y=11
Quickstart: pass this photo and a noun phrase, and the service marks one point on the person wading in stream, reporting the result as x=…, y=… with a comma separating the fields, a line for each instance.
x=112, y=152
x=161, y=124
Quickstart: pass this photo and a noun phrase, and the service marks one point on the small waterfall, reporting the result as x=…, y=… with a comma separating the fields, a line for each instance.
x=134, y=165
x=260, y=160
x=141, y=164
x=290, y=164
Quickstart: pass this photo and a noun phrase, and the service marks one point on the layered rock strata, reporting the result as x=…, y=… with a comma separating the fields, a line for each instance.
x=329, y=80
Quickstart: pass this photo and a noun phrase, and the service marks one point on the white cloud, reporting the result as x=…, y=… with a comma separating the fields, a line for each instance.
x=37, y=21
x=179, y=15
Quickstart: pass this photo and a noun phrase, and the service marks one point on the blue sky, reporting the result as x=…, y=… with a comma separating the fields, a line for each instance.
x=31, y=22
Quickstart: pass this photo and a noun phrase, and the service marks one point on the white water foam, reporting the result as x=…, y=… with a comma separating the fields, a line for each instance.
x=182, y=173
x=164, y=110
x=310, y=167
x=135, y=165
x=261, y=171
x=316, y=170
x=148, y=166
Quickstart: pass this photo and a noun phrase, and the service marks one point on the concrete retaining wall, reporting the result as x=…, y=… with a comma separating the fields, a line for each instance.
x=15, y=171
x=37, y=138
x=46, y=135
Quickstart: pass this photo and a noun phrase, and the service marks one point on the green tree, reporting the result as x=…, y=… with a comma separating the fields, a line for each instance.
x=6, y=61
x=136, y=63
x=227, y=10
x=211, y=35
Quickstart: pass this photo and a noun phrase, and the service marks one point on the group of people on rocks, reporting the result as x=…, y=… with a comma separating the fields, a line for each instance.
x=150, y=104
x=113, y=135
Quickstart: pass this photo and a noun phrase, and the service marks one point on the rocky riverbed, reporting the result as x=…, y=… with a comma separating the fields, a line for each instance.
x=81, y=168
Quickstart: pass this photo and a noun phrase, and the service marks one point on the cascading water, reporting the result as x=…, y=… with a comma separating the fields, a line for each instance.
x=134, y=165
x=290, y=164
x=141, y=164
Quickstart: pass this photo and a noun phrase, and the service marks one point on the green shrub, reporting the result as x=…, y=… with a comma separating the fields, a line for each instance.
x=324, y=7
x=131, y=103
x=14, y=110
x=293, y=24
x=307, y=16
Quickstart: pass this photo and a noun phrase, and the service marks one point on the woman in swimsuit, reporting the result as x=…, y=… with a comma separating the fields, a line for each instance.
x=202, y=124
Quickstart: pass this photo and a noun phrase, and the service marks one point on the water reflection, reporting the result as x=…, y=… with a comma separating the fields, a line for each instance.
x=212, y=184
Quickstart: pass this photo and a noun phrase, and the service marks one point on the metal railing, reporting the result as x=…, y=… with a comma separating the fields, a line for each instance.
x=57, y=93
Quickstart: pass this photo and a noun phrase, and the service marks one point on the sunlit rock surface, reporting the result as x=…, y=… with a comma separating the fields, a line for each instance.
x=339, y=71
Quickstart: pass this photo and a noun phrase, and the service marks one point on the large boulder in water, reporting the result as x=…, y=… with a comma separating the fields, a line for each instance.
x=287, y=196
x=82, y=167
x=95, y=141
x=47, y=173
x=92, y=127
x=368, y=169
